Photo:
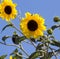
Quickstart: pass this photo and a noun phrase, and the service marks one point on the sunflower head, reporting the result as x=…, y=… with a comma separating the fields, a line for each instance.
x=8, y=10
x=32, y=25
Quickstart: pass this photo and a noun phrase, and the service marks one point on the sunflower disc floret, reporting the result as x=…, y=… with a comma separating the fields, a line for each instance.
x=32, y=25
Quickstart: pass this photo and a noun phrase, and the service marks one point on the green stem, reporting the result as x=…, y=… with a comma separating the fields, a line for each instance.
x=15, y=46
x=33, y=44
x=23, y=50
x=21, y=55
x=17, y=29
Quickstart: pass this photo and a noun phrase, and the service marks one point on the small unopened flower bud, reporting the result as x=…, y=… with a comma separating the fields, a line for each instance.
x=50, y=31
x=56, y=19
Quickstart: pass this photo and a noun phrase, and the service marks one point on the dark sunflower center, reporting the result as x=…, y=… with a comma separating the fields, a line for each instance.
x=32, y=25
x=8, y=10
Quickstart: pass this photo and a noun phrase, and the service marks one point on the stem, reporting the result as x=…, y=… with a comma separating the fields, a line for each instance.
x=23, y=50
x=15, y=46
x=27, y=42
x=21, y=55
x=53, y=52
x=14, y=27
x=33, y=44
x=10, y=44
x=17, y=29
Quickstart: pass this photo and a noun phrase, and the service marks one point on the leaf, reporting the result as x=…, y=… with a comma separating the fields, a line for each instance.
x=50, y=54
x=15, y=39
x=57, y=51
x=5, y=37
x=39, y=47
x=47, y=56
x=17, y=57
x=14, y=52
x=55, y=43
x=33, y=40
x=34, y=55
x=8, y=25
x=3, y=56
x=22, y=38
x=54, y=27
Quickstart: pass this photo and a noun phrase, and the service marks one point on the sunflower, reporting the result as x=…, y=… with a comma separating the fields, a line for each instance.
x=32, y=25
x=8, y=10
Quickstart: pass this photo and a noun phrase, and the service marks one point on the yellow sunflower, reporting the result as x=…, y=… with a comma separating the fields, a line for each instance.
x=32, y=25
x=8, y=10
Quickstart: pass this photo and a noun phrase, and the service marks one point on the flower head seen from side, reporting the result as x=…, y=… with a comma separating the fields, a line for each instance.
x=32, y=25
x=8, y=10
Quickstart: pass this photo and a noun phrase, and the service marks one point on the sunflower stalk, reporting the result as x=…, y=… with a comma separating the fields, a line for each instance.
x=21, y=55
x=18, y=46
x=15, y=27
x=33, y=44
x=23, y=50
x=27, y=42
x=10, y=44
x=54, y=52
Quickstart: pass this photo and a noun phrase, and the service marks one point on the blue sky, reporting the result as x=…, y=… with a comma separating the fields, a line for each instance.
x=46, y=8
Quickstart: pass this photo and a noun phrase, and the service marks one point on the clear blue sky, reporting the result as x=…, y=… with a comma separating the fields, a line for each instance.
x=46, y=8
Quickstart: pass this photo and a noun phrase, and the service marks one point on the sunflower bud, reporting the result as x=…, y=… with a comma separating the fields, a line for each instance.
x=15, y=39
x=50, y=31
x=56, y=19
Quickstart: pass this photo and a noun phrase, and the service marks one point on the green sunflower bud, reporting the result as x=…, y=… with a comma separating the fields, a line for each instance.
x=56, y=19
x=15, y=39
x=50, y=31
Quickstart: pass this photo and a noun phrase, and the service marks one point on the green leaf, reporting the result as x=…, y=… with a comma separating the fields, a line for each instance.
x=17, y=57
x=22, y=38
x=8, y=25
x=39, y=47
x=47, y=55
x=14, y=52
x=4, y=38
x=15, y=39
x=54, y=27
x=3, y=56
x=33, y=40
x=55, y=43
x=34, y=55
x=50, y=54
